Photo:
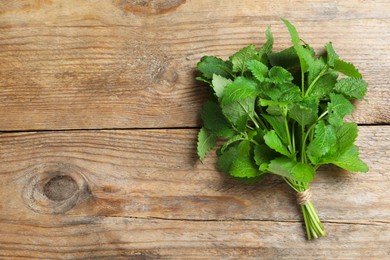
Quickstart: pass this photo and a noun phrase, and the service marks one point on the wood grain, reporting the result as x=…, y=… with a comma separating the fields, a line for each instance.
x=142, y=193
x=130, y=64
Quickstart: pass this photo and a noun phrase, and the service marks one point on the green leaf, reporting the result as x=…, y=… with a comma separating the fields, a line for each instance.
x=244, y=167
x=239, y=164
x=305, y=55
x=266, y=102
x=315, y=70
x=258, y=69
x=279, y=75
x=351, y=88
x=263, y=156
x=347, y=69
x=267, y=47
x=231, y=141
x=292, y=169
x=285, y=92
x=273, y=141
x=240, y=89
x=240, y=58
x=287, y=58
x=225, y=159
x=338, y=107
x=206, y=142
x=346, y=136
x=215, y=121
x=219, y=83
x=349, y=160
x=324, y=140
x=243, y=148
x=277, y=123
x=305, y=113
x=331, y=54
x=203, y=80
x=210, y=65
x=237, y=112
x=324, y=85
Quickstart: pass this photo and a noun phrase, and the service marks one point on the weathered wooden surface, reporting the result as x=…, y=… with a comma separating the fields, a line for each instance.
x=136, y=197
x=130, y=64
x=142, y=194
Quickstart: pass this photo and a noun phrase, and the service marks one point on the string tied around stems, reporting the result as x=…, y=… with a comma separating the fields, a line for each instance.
x=304, y=197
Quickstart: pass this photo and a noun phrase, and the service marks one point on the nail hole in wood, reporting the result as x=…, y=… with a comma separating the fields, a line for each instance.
x=60, y=188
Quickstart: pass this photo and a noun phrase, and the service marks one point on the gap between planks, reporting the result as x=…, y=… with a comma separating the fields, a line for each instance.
x=135, y=129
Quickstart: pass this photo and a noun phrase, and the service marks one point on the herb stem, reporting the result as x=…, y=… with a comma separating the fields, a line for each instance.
x=303, y=82
x=250, y=116
x=303, y=149
x=293, y=136
x=260, y=121
x=290, y=146
x=322, y=115
x=306, y=219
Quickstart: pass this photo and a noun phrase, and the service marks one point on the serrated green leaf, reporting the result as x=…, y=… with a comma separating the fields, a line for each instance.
x=305, y=54
x=279, y=75
x=273, y=141
x=292, y=169
x=303, y=172
x=263, y=156
x=240, y=58
x=258, y=69
x=315, y=70
x=278, y=124
x=267, y=46
x=273, y=107
x=242, y=88
x=349, y=160
x=331, y=54
x=285, y=93
x=241, y=123
x=244, y=167
x=229, y=142
x=243, y=148
x=305, y=113
x=338, y=107
x=237, y=112
x=351, y=87
x=287, y=58
x=215, y=121
x=324, y=140
x=219, y=83
x=346, y=136
x=225, y=159
x=210, y=65
x=324, y=85
x=347, y=69
x=206, y=142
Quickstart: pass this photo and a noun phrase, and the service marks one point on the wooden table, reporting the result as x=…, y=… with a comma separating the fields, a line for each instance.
x=99, y=114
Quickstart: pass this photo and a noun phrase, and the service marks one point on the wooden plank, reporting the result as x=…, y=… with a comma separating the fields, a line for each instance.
x=129, y=238
x=143, y=192
x=119, y=64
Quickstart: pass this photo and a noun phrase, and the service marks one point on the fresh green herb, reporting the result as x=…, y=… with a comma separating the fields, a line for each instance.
x=281, y=113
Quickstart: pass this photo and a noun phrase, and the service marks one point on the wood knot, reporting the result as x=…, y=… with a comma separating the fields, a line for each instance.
x=60, y=188
x=55, y=188
x=149, y=7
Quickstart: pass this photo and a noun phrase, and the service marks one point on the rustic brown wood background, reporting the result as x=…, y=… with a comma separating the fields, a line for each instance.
x=99, y=112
